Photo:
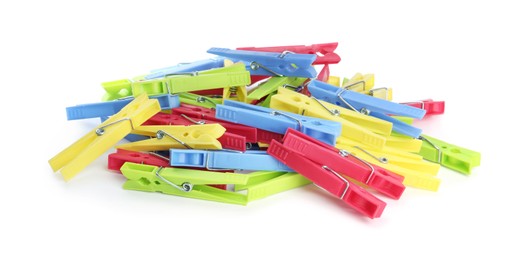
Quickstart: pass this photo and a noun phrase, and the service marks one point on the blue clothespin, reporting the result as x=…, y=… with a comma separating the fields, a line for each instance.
x=369, y=105
x=226, y=160
x=108, y=108
x=217, y=62
x=286, y=64
x=278, y=121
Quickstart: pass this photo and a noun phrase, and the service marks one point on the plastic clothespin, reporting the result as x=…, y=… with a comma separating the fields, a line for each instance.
x=228, y=140
x=286, y=64
x=81, y=153
x=404, y=143
x=232, y=76
x=431, y=107
x=265, y=183
x=190, y=137
x=359, y=83
x=366, y=129
x=368, y=105
x=326, y=178
x=324, y=51
x=345, y=163
x=200, y=65
x=451, y=156
x=183, y=182
x=117, y=159
x=198, y=100
x=199, y=115
x=278, y=122
x=117, y=89
x=334, y=81
x=413, y=178
x=271, y=86
x=217, y=160
x=105, y=109
x=324, y=73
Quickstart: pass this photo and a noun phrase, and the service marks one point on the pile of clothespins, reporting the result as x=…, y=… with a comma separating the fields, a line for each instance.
x=253, y=122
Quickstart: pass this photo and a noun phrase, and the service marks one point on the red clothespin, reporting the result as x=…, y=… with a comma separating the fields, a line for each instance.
x=380, y=179
x=329, y=180
x=324, y=51
x=262, y=136
x=432, y=107
x=228, y=140
x=324, y=73
x=116, y=160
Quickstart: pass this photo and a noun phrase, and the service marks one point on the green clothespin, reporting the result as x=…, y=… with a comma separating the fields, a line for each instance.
x=263, y=184
x=232, y=76
x=117, y=89
x=198, y=100
x=271, y=85
x=451, y=156
x=183, y=182
x=267, y=101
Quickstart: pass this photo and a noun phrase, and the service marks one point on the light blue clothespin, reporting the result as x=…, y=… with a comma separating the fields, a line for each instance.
x=369, y=105
x=108, y=108
x=286, y=64
x=360, y=102
x=278, y=121
x=217, y=62
x=226, y=160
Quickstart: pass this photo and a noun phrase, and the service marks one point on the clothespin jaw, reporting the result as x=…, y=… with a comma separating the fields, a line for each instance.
x=327, y=179
x=359, y=83
x=117, y=89
x=451, y=156
x=271, y=85
x=81, y=153
x=276, y=121
x=226, y=160
x=343, y=162
x=272, y=64
x=430, y=106
x=116, y=160
x=325, y=51
x=266, y=183
x=189, y=137
x=198, y=100
x=183, y=182
x=108, y=108
x=201, y=65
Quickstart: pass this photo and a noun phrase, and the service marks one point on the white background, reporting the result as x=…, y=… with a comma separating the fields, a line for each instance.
x=55, y=54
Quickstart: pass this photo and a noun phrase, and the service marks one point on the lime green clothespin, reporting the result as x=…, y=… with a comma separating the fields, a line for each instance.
x=271, y=85
x=451, y=156
x=117, y=89
x=183, y=182
x=261, y=186
x=198, y=100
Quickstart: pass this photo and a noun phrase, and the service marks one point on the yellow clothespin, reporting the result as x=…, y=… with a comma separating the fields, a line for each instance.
x=81, y=153
x=359, y=83
x=414, y=176
x=238, y=93
x=168, y=137
x=365, y=129
x=334, y=80
x=404, y=143
x=383, y=93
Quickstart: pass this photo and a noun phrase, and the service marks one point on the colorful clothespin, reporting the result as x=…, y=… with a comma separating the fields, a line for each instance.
x=81, y=153
x=366, y=129
x=359, y=83
x=278, y=122
x=404, y=143
x=334, y=81
x=272, y=64
x=413, y=177
x=190, y=137
x=231, y=139
x=451, y=156
x=108, y=108
x=117, y=89
x=117, y=159
x=324, y=73
x=328, y=179
x=431, y=107
x=232, y=76
x=265, y=183
x=324, y=51
x=368, y=105
x=183, y=182
x=344, y=163
x=217, y=160
x=272, y=84
x=216, y=62
x=198, y=100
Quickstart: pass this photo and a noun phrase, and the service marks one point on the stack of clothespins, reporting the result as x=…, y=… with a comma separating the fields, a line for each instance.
x=265, y=121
